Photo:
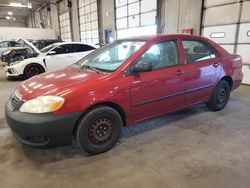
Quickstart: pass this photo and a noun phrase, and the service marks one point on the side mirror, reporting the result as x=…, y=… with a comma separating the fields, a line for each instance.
x=52, y=53
x=142, y=67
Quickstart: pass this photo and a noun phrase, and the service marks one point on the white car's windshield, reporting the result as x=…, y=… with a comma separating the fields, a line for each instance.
x=48, y=48
x=112, y=56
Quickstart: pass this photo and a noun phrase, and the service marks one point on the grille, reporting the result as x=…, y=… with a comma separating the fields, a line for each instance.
x=15, y=102
x=11, y=71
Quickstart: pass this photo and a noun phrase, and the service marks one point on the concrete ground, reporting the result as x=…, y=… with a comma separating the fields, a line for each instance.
x=189, y=149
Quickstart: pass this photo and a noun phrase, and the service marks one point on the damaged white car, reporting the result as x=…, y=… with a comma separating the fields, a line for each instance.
x=53, y=57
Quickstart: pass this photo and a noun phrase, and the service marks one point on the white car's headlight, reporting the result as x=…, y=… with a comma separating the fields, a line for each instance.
x=42, y=104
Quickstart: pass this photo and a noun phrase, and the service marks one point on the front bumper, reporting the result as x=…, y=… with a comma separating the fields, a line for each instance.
x=11, y=72
x=41, y=130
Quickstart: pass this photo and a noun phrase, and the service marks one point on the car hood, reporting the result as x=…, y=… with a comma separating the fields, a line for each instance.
x=57, y=83
x=27, y=61
x=29, y=44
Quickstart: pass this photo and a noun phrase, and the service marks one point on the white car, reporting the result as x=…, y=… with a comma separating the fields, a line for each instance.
x=52, y=57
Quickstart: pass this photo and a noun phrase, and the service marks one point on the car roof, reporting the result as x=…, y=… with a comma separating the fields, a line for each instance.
x=162, y=36
x=49, y=40
x=7, y=41
x=61, y=43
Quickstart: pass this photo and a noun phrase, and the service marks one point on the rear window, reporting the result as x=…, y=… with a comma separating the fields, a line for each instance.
x=82, y=48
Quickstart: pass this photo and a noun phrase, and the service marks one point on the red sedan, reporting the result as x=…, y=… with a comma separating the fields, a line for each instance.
x=120, y=84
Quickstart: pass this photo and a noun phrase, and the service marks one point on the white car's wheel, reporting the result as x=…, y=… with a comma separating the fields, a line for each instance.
x=33, y=70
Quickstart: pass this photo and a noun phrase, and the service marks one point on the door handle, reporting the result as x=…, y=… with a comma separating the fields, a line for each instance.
x=179, y=72
x=216, y=65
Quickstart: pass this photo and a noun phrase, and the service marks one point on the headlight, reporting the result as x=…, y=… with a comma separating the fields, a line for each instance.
x=42, y=104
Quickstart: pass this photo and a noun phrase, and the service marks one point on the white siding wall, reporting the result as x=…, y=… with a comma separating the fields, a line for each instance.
x=176, y=15
x=88, y=18
x=227, y=22
x=135, y=17
x=65, y=26
x=13, y=33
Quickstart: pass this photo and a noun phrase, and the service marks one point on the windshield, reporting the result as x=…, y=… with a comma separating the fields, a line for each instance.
x=110, y=57
x=21, y=43
x=48, y=48
x=37, y=44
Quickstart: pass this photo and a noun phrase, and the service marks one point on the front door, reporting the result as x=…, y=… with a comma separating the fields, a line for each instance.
x=161, y=90
x=63, y=56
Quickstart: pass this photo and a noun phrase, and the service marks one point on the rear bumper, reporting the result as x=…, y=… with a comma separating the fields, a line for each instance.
x=42, y=130
x=236, y=84
x=238, y=81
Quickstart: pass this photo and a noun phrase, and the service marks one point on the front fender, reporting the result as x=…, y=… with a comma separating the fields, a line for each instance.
x=80, y=99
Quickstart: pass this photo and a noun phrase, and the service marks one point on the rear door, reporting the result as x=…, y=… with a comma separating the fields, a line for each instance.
x=161, y=90
x=202, y=68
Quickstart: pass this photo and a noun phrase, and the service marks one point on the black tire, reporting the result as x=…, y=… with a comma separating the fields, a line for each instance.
x=220, y=96
x=33, y=70
x=99, y=130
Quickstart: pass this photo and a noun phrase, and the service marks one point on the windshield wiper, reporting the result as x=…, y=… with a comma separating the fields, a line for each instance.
x=77, y=64
x=91, y=68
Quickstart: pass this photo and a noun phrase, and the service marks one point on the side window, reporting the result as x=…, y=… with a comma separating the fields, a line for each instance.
x=162, y=55
x=16, y=44
x=12, y=44
x=4, y=45
x=64, y=49
x=82, y=48
x=196, y=51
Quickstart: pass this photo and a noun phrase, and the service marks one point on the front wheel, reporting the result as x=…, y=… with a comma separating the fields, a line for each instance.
x=33, y=70
x=99, y=130
x=220, y=96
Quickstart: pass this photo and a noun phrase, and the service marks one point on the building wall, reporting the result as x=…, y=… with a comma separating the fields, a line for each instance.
x=88, y=19
x=106, y=17
x=63, y=6
x=12, y=23
x=55, y=19
x=9, y=33
x=75, y=21
x=74, y=17
x=176, y=15
x=227, y=22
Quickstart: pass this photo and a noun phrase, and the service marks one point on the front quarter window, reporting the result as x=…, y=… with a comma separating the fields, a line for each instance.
x=111, y=57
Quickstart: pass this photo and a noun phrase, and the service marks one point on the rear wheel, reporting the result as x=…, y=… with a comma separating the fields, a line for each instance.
x=220, y=96
x=33, y=70
x=99, y=130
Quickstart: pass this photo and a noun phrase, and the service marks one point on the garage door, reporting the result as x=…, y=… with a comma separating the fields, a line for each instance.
x=243, y=43
x=227, y=22
x=135, y=17
x=88, y=19
x=65, y=27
